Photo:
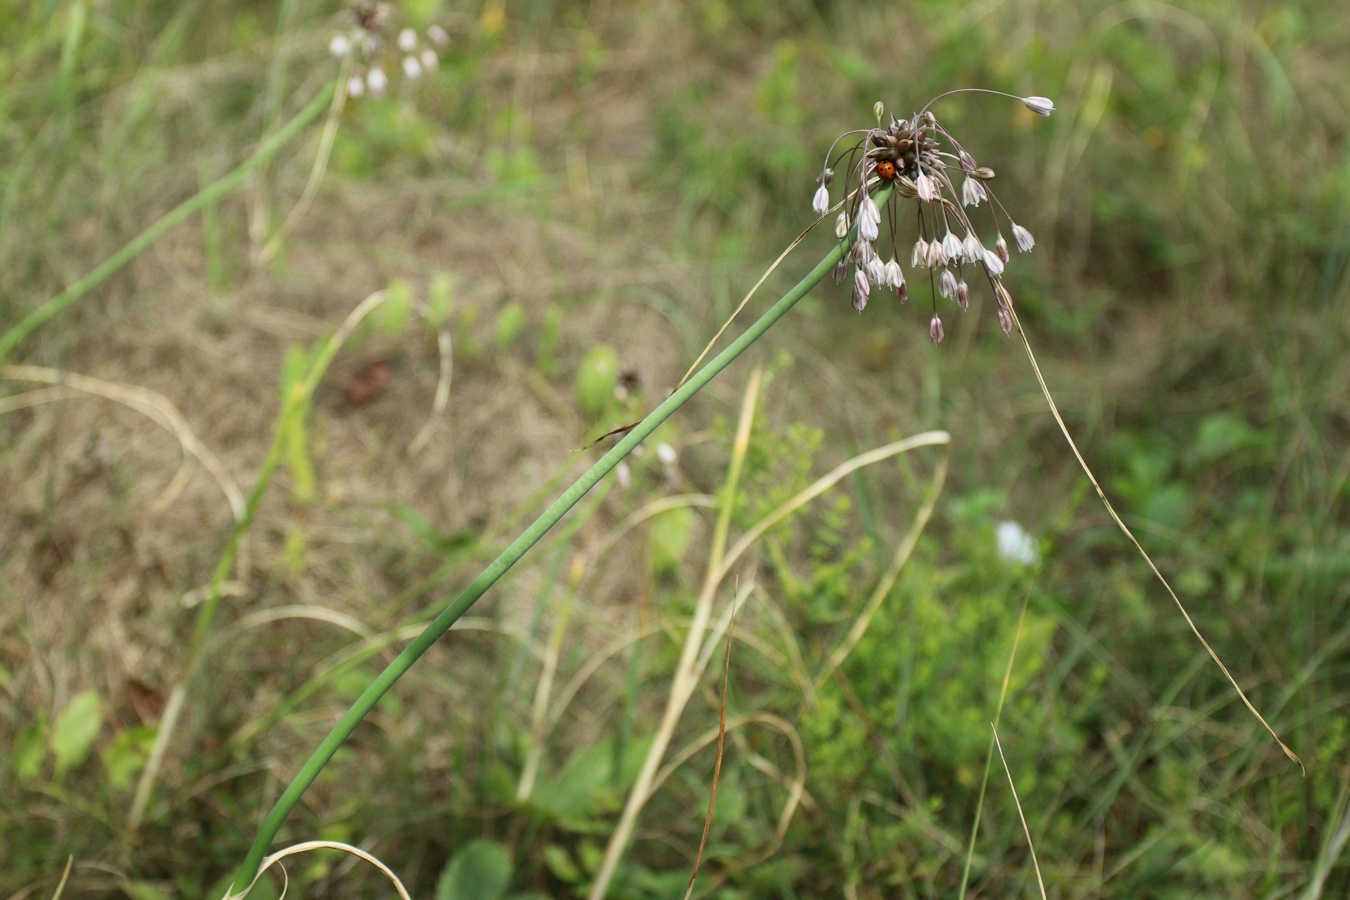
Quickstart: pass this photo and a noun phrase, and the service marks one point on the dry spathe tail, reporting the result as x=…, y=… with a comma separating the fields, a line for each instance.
x=1064, y=429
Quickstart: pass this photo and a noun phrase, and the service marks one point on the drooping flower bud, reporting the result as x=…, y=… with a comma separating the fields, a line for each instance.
x=935, y=330
x=1041, y=106
x=1023, y=237
x=993, y=263
x=820, y=203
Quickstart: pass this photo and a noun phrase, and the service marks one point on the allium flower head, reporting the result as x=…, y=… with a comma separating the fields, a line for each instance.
x=919, y=161
x=365, y=39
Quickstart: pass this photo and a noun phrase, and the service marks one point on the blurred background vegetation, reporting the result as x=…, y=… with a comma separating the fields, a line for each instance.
x=583, y=189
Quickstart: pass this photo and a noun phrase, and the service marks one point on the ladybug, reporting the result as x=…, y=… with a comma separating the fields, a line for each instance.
x=886, y=170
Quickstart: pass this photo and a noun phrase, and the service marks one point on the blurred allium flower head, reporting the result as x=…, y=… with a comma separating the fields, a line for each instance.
x=368, y=40
x=929, y=167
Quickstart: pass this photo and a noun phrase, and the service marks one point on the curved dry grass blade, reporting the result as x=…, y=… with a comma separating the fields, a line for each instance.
x=155, y=407
x=883, y=588
x=1101, y=494
x=316, y=174
x=989, y=757
x=306, y=847
x=442, y=398
x=746, y=299
x=1025, y=830
x=717, y=767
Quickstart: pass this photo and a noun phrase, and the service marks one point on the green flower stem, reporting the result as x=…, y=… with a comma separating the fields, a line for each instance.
x=203, y=198
x=511, y=555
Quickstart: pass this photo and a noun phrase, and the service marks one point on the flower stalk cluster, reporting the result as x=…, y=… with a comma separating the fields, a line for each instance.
x=363, y=40
x=928, y=166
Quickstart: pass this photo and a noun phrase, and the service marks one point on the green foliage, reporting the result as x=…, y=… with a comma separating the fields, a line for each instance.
x=669, y=536
x=589, y=786
x=74, y=731
x=481, y=870
x=596, y=380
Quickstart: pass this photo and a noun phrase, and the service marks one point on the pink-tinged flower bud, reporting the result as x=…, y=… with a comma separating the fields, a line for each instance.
x=973, y=192
x=1005, y=320
x=861, y=284
x=876, y=271
x=974, y=250
x=967, y=161
x=1001, y=248
x=895, y=276
x=993, y=263
x=1023, y=237
x=864, y=252
x=935, y=330
x=951, y=248
x=1041, y=106
x=841, y=226
x=963, y=294
x=868, y=230
x=947, y=284
x=902, y=293
x=840, y=270
x=1002, y=295
x=820, y=203
x=407, y=40
x=919, y=257
x=870, y=211
x=934, y=254
x=925, y=188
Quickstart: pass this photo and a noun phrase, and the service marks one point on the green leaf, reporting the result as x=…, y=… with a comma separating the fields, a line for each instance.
x=510, y=323
x=669, y=536
x=561, y=864
x=75, y=730
x=126, y=754
x=588, y=785
x=142, y=890
x=391, y=316
x=597, y=378
x=481, y=870
x=440, y=299
x=30, y=749
x=546, y=360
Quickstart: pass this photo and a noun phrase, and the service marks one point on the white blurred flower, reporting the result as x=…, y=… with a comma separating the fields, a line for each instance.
x=340, y=46
x=438, y=36
x=407, y=40
x=412, y=68
x=377, y=81
x=1015, y=545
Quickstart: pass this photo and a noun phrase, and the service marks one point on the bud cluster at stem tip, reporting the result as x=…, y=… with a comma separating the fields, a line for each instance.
x=923, y=162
